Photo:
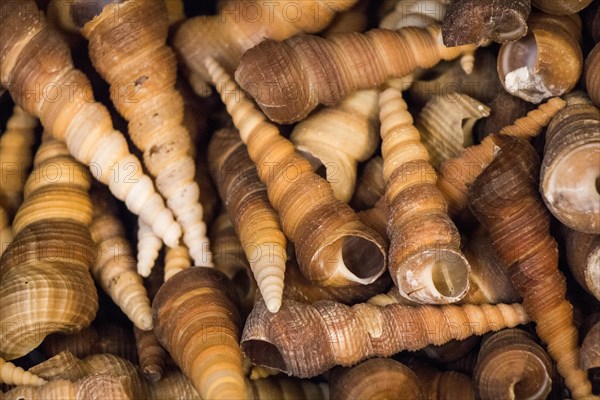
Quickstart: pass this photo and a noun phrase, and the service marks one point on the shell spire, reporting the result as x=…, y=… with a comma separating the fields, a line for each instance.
x=34, y=56
x=332, y=246
x=10, y=374
x=148, y=247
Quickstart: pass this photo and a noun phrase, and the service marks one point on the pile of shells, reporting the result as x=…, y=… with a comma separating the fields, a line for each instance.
x=300, y=199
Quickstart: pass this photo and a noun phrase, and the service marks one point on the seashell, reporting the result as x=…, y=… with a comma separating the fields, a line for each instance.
x=114, y=268
x=45, y=283
x=504, y=198
x=15, y=151
x=569, y=180
x=12, y=375
x=426, y=263
x=458, y=173
x=392, y=296
x=477, y=21
x=504, y=110
x=152, y=356
x=310, y=68
x=354, y=19
x=34, y=56
x=243, y=24
x=583, y=256
x=441, y=384
x=6, y=234
x=466, y=363
x=198, y=323
x=592, y=21
x=446, y=125
x=230, y=259
x=377, y=378
x=561, y=7
x=531, y=67
x=148, y=247
x=592, y=76
x=376, y=217
x=370, y=185
x=285, y=388
x=255, y=221
x=333, y=247
x=512, y=365
x=176, y=260
x=360, y=331
x=127, y=45
x=488, y=281
x=339, y=137
x=590, y=348
x=175, y=11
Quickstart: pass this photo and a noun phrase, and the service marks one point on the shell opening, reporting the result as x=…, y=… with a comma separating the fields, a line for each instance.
x=362, y=257
x=264, y=354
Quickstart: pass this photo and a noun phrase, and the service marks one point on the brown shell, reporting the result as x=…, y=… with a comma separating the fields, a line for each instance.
x=335, y=334
x=311, y=70
x=561, y=7
x=196, y=319
x=333, y=247
x=6, y=234
x=592, y=21
x=532, y=68
x=592, y=75
x=370, y=185
x=590, y=348
x=570, y=175
x=442, y=385
x=512, y=365
x=151, y=355
x=35, y=56
x=505, y=200
x=583, y=256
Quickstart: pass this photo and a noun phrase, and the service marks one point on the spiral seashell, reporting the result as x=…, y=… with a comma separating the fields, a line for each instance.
x=13, y=375
x=370, y=185
x=532, y=68
x=441, y=384
x=360, y=331
x=511, y=365
x=426, y=263
x=255, y=221
x=333, y=247
x=197, y=321
x=477, y=21
x=312, y=70
x=583, y=256
x=152, y=356
x=504, y=198
x=376, y=378
x=446, y=125
x=45, y=282
x=127, y=45
x=243, y=24
x=590, y=348
x=230, y=259
x=15, y=152
x=6, y=234
x=458, y=173
x=570, y=178
x=176, y=260
x=148, y=247
x=592, y=76
x=115, y=268
x=339, y=137
x=504, y=110
x=561, y=7
x=285, y=388
x=37, y=69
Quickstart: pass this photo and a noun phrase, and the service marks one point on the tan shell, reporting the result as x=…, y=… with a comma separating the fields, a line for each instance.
x=370, y=185
x=354, y=19
x=426, y=262
x=441, y=385
x=377, y=378
x=570, y=176
x=148, y=247
x=533, y=67
x=339, y=137
x=561, y=7
x=13, y=375
x=34, y=56
x=255, y=221
x=376, y=217
x=45, y=283
x=16, y=155
x=196, y=319
x=511, y=365
x=312, y=70
x=285, y=388
x=505, y=200
x=333, y=247
x=583, y=256
x=359, y=332
x=446, y=125
x=177, y=259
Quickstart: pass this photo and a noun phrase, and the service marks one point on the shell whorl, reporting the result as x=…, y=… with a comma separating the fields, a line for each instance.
x=177, y=259
x=33, y=56
x=332, y=246
x=305, y=70
x=148, y=247
x=127, y=45
x=425, y=258
x=13, y=375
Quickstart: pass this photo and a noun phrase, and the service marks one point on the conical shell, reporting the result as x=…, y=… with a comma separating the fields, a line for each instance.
x=332, y=246
x=197, y=321
x=148, y=247
x=426, y=263
x=177, y=259
x=511, y=365
x=45, y=282
x=37, y=70
x=505, y=200
x=312, y=70
x=339, y=137
x=335, y=334
x=255, y=221
x=151, y=355
x=13, y=375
